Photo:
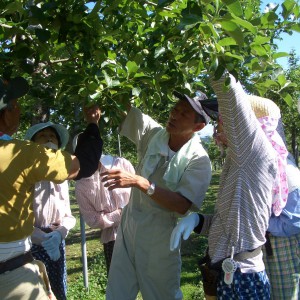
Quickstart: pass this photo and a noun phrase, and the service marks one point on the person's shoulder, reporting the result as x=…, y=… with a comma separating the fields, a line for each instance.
x=200, y=151
x=31, y=148
x=122, y=159
x=20, y=144
x=123, y=162
x=25, y=152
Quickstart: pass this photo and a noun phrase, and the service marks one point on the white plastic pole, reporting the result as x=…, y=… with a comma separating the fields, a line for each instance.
x=119, y=144
x=84, y=255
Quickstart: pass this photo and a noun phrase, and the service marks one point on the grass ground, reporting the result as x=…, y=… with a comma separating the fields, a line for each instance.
x=192, y=250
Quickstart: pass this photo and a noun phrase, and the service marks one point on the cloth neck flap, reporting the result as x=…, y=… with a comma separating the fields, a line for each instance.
x=158, y=147
x=280, y=187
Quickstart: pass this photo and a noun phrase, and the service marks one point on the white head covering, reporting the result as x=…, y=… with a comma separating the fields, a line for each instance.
x=107, y=161
x=268, y=115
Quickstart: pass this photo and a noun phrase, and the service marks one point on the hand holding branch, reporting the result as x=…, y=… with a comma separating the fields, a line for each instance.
x=92, y=114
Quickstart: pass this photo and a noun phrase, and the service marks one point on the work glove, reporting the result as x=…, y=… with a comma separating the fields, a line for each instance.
x=38, y=236
x=184, y=228
x=51, y=245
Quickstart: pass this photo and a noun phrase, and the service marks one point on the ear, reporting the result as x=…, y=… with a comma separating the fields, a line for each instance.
x=199, y=126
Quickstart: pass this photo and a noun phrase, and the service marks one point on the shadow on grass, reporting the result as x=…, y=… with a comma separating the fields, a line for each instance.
x=90, y=234
x=74, y=270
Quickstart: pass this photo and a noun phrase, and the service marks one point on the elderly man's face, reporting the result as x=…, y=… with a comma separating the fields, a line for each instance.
x=182, y=119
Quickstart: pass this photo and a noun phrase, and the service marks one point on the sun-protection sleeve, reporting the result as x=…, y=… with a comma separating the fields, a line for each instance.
x=88, y=151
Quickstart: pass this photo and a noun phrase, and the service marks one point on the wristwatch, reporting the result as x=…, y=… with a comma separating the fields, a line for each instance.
x=151, y=189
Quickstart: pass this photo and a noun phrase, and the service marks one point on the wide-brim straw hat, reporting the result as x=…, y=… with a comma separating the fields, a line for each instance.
x=60, y=129
x=263, y=107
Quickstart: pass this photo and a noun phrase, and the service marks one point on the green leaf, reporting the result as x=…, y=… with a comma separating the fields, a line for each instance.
x=156, y=97
x=281, y=79
x=234, y=31
x=280, y=54
x=248, y=12
x=12, y=8
x=95, y=96
x=142, y=75
x=219, y=72
x=112, y=55
x=245, y=24
x=287, y=8
x=189, y=20
x=163, y=3
x=229, y=54
x=261, y=39
x=208, y=29
x=234, y=6
x=42, y=34
x=110, y=38
x=228, y=41
x=269, y=19
x=258, y=50
x=287, y=98
x=270, y=83
x=296, y=27
x=159, y=51
x=108, y=80
x=131, y=67
x=108, y=62
x=136, y=91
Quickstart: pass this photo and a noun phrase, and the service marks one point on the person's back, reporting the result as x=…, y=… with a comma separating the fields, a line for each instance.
x=52, y=212
x=19, y=170
x=22, y=165
x=252, y=178
x=244, y=199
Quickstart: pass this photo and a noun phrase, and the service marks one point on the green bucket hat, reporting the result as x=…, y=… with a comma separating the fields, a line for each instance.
x=60, y=129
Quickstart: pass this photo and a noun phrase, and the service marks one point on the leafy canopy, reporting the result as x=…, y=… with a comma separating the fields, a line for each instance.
x=109, y=52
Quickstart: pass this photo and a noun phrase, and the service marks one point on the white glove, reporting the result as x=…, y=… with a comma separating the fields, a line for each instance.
x=184, y=228
x=51, y=245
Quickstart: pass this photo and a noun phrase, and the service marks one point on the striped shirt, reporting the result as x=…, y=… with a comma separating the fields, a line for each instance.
x=243, y=206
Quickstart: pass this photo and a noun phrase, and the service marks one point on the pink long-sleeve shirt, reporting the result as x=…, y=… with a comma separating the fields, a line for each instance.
x=100, y=208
